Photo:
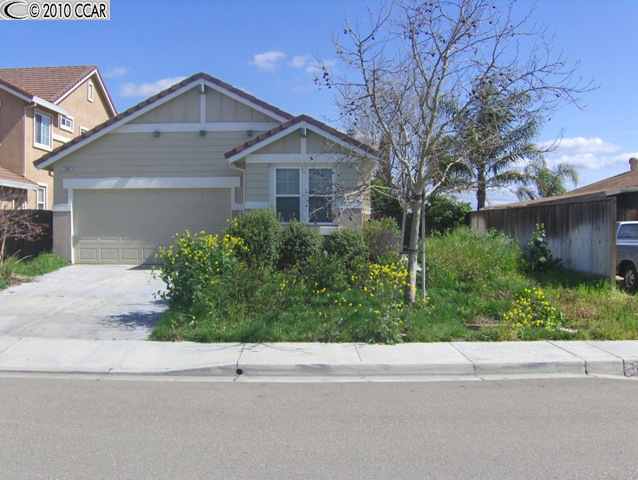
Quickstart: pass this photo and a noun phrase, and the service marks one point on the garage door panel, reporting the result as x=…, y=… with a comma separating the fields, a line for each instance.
x=87, y=255
x=127, y=226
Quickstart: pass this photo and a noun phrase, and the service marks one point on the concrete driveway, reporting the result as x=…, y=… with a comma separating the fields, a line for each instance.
x=83, y=301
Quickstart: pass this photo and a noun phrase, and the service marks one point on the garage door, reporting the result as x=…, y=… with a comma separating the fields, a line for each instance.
x=127, y=226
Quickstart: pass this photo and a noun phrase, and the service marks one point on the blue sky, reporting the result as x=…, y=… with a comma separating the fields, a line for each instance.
x=149, y=43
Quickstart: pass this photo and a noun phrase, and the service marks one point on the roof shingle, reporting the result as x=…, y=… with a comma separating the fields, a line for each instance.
x=9, y=176
x=606, y=186
x=49, y=83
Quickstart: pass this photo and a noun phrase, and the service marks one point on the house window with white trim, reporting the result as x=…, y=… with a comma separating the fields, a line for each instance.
x=320, y=195
x=41, y=197
x=89, y=91
x=288, y=194
x=42, y=130
x=65, y=123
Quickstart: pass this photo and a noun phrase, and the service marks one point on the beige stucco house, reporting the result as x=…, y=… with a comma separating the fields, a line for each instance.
x=42, y=108
x=191, y=157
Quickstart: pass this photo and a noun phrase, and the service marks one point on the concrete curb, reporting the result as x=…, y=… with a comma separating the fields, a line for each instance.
x=314, y=360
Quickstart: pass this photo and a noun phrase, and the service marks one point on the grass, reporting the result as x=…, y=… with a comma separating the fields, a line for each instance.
x=472, y=282
x=14, y=270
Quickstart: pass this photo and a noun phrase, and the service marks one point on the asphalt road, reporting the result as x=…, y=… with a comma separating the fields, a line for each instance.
x=542, y=429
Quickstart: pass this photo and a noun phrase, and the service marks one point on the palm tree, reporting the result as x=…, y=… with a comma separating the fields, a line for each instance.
x=497, y=137
x=546, y=181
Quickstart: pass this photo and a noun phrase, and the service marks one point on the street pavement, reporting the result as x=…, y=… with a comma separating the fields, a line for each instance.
x=77, y=428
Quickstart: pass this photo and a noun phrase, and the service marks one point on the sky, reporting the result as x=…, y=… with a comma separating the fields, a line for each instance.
x=272, y=48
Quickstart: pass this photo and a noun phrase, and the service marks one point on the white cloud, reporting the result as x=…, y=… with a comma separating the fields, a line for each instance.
x=131, y=89
x=589, y=153
x=299, y=61
x=116, y=72
x=268, y=61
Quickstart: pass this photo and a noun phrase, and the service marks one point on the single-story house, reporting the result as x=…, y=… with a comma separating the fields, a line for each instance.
x=580, y=225
x=191, y=157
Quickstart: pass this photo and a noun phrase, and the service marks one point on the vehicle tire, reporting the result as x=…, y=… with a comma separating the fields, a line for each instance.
x=630, y=278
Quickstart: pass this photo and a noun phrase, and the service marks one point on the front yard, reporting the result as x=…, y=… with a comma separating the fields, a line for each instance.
x=14, y=270
x=258, y=283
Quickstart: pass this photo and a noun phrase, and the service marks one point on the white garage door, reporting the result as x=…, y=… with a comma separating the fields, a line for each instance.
x=127, y=226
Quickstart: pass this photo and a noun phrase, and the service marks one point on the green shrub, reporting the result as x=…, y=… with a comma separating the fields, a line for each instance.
x=531, y=311
x=261, y=232
x=346, y=246
x=445, y=214
x=538, y=254
x=298, y=244
x=383, y=239
x=323, y=273
x=195, y=264
x=472, y=261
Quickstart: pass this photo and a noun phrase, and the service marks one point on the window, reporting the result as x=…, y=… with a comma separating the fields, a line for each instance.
x=42, y=133
x=320, y=195
x=288, y=194
x=89, y=91
x=65, y=123
x=83, y=130
x=628, y=231
x=41, y=198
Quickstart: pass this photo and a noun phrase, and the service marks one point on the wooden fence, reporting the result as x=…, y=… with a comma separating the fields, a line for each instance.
x=580, y=231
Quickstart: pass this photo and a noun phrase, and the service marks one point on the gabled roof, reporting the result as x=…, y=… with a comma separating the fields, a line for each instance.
x=291, y=125
x=609, y=185
x=13, y=180
x=52, y=84
x=148, y=104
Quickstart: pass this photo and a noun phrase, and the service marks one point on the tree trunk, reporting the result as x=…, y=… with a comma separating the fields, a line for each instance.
x=404, y=218
x=413, y=251
x=424, y=290
x=481, y=192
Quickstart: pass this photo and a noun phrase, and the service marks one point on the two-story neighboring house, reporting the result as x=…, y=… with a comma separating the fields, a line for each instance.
x=41, y=108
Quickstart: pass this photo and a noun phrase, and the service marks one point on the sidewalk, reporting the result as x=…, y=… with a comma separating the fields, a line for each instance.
x=31, y=354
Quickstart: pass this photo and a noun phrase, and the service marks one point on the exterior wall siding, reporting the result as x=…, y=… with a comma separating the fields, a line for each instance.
x=288, y=144
x=62, y=234
x=182, y=109
x=258, y=183
x=220, y=108
x=12, y=142
x=143, y=155
x=318, y=144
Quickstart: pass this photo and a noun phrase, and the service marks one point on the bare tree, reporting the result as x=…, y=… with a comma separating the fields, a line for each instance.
x=16, y=223
x=409, y=77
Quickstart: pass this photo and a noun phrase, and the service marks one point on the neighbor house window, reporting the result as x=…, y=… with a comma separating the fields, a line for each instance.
x=65, y=123
x=288, y=194
x=42, y=130
x=89, y=91
x=41, y=199
x=320, y=195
